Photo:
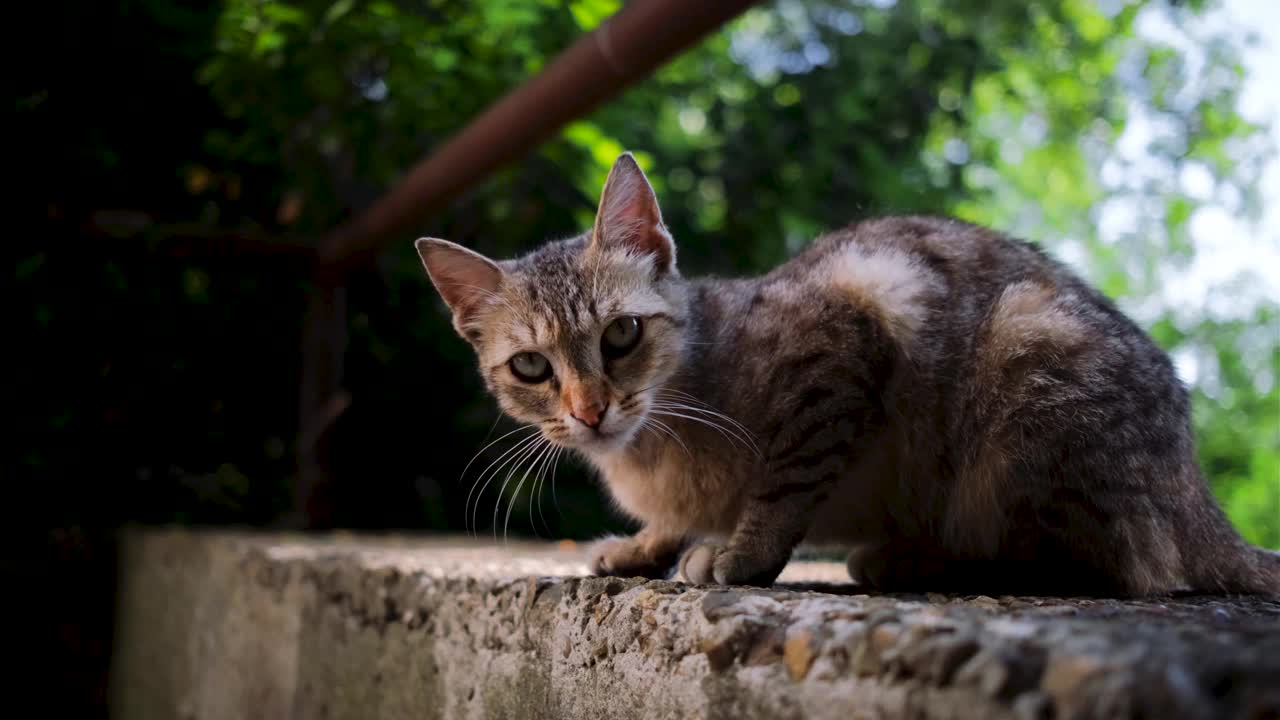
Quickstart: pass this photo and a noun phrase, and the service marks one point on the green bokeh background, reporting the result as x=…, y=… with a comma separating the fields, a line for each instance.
x=162, y=389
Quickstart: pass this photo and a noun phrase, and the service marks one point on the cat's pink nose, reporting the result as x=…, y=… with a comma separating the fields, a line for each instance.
x=590, y=415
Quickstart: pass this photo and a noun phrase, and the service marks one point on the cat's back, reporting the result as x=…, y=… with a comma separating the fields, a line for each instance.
x=968, y=258
x=928, y=277
x=959, y=305
x=978, y=321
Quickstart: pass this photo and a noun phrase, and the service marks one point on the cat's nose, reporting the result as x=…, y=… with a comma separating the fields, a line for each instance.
x=590, y=415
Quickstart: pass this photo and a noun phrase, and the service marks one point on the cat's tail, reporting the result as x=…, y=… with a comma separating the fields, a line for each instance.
x=1256, y=572
x=1242, y=570
x=1229, y=564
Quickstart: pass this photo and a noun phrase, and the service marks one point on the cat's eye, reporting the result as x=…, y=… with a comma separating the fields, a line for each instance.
x=530, y=367
x=621, y=336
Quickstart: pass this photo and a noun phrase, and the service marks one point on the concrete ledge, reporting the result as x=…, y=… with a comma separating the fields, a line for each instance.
x=242, y=626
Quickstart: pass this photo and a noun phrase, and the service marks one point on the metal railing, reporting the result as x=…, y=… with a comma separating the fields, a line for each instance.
x=601, y=64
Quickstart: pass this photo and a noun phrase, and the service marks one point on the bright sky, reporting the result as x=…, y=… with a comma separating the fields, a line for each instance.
x=1226, y=246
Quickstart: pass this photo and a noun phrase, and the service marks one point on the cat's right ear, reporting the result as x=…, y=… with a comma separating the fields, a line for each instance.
x=629, y=217
x=465, y=279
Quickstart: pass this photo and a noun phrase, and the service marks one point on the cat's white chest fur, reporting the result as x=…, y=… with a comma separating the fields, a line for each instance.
x=671, y=490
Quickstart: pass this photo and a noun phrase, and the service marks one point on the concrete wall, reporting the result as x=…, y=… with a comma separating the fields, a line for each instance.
x=216, y=626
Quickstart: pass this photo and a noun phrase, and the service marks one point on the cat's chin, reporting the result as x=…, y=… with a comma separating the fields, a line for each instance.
x=605, y=443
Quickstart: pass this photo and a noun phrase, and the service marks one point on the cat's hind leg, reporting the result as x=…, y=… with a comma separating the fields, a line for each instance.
x=1077, y=471
x=894, y=565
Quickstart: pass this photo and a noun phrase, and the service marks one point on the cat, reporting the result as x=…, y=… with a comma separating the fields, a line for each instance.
x=957, y=408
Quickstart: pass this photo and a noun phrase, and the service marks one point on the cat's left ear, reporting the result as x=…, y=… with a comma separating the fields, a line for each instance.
x=466, y=280
x=629, y=217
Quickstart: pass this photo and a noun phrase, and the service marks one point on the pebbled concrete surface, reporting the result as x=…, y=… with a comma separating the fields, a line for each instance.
x=226, y=625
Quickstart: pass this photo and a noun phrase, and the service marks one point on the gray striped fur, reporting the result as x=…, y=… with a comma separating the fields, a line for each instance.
x=959, y=409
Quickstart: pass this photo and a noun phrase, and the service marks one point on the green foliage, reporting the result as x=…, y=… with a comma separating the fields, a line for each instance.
x=1046, y=160
x=798, y=117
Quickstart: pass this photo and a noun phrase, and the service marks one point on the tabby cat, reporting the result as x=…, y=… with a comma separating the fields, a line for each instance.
x=956, y=407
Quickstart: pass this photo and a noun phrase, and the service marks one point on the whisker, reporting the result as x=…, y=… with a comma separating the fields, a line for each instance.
x=467, y=507
x=653, y=429
x=664, y=410
x=555, y=460
x=637, y=392
x=555, y=501
x=539, y=484
x=683, y=394
x=745, y=434
x=511, y=504
x=667, y=429
x=538, y=478
x=700, y=406
x=533, y=496
x=727, y=433
x=510, y=455
x=486, y=447
x=533, y=493
x=497, y=503
x=493, y=427
x=673, y=391
x=555, y=464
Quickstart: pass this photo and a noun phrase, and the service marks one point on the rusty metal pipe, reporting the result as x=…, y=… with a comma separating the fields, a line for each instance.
x=598, y=66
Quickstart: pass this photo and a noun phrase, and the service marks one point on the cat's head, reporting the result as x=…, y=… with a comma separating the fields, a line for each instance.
x=578, y=335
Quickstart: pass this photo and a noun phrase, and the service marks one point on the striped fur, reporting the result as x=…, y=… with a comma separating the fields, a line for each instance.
x=960, y=409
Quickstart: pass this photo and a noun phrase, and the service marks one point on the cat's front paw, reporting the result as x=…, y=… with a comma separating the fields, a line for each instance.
x=697, y=566
x=627, y=557
x=708, y=564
